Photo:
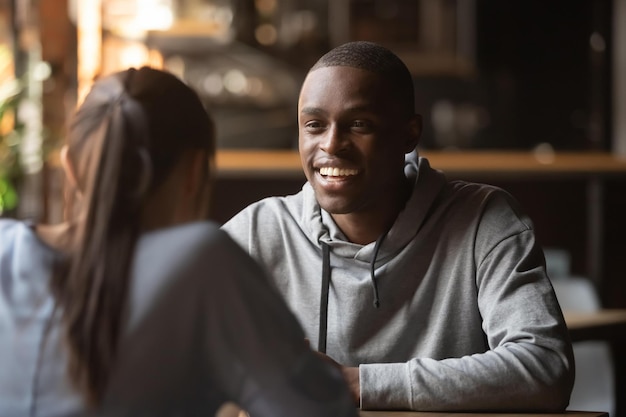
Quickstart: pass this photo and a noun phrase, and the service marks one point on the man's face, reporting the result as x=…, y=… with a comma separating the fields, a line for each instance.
x=352, y=139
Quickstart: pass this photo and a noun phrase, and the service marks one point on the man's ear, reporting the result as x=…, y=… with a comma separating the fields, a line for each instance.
x=414, y=132
x=68, y=167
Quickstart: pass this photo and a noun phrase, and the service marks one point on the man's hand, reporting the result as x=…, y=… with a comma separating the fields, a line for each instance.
x=350, y=374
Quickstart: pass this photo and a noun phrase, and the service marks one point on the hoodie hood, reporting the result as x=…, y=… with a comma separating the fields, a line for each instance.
x=321, y=228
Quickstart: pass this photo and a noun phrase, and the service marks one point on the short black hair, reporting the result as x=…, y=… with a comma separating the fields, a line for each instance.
x=374, y=58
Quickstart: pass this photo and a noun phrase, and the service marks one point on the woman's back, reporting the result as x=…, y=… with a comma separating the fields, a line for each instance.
x=202, y=327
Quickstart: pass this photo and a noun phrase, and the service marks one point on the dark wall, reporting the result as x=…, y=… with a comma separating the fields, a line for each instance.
x=542, y=76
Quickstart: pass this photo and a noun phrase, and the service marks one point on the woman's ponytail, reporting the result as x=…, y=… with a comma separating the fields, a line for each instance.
x=92, y=286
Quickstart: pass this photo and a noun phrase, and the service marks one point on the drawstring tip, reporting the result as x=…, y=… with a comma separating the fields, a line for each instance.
x=376, y=303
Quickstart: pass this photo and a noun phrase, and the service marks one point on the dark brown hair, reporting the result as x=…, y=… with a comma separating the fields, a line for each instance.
x=123, y=142
x=374, y=58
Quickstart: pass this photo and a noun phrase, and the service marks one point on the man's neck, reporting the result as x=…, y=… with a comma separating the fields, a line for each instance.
x=367, y=226
x=361, y=228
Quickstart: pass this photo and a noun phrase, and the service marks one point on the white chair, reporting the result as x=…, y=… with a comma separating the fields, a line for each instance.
x=594, y=387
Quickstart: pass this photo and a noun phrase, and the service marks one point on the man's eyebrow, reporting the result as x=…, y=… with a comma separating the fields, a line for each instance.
x=360, y=109
x=315, y=111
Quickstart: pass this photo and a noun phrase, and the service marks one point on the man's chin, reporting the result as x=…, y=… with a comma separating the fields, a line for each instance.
x=333, y=206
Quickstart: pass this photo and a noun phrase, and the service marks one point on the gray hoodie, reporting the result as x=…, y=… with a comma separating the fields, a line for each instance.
x=467, y=320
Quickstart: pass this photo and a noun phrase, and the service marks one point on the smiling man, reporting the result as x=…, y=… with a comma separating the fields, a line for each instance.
x=428, y=294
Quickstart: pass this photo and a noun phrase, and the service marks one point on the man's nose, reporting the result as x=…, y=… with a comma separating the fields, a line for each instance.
x=334, y=141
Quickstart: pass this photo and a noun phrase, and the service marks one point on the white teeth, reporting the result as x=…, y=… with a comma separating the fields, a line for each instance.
x=337, y=172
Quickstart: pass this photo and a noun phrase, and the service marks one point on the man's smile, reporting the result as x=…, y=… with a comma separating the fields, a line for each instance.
x=337, y=172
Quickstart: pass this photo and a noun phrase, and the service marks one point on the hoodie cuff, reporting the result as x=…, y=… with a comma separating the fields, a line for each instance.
x=385, y=386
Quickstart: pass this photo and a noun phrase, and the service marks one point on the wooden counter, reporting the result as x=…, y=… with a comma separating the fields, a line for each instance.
x=467, y=164
x=598, y=325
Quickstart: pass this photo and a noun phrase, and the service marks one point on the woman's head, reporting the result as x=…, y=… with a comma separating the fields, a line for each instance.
x=138, y=154
x=131, y=132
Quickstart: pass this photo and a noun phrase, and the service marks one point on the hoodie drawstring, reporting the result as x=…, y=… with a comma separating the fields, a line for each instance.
x=377, y=246
x=323, y=327
x=321, y=340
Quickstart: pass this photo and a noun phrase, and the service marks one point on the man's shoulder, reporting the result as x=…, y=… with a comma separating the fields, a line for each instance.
x=268, y=210
x=473, y=188
x=485, y=200
x=492, y=204
x=478, y=193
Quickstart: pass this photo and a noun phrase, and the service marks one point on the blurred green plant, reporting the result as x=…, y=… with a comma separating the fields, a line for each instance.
x=10, y=135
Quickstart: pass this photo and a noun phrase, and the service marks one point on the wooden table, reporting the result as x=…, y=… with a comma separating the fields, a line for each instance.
x=599, y=325
x=227, y=413
x=451, y=414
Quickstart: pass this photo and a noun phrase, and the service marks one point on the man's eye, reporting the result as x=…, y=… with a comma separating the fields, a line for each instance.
x=313, y=125
x=361, y=125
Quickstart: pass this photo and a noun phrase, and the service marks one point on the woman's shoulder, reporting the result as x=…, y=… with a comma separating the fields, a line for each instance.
x=16, y=233
x=8, y=232
x=25, y=265
x=10, y=225
x=195, y=258
x=194, y=243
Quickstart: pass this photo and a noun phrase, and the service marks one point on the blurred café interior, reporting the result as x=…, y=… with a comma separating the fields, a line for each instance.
x=528, y=95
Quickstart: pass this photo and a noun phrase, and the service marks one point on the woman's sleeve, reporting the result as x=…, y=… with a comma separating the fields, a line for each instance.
x=256, y=349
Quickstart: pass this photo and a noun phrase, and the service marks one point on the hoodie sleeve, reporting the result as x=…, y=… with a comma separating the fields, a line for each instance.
x=529, y=363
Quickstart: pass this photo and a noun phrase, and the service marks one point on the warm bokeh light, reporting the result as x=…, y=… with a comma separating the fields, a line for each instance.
x=266, y=7
x=154, y=15
x=89, y=28
x=266, y=34
x=100, y=55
